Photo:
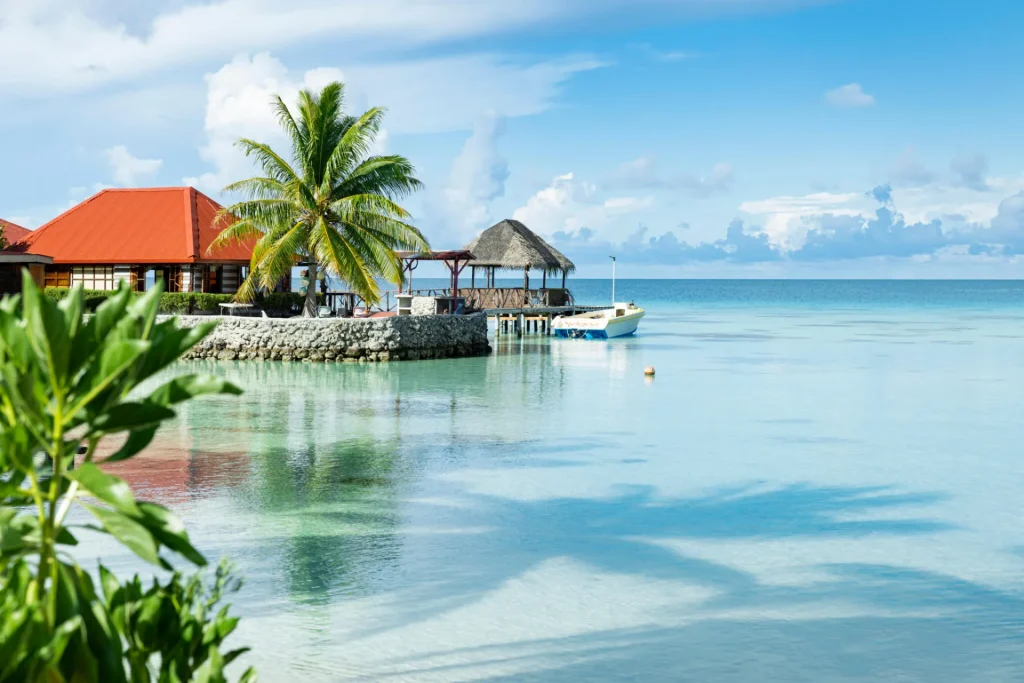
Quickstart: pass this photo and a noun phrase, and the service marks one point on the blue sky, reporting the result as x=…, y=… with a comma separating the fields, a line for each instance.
x=717, y=138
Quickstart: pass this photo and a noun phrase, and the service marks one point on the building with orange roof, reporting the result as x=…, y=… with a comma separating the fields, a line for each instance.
x=12, y=259
x=13, y=232
x=139, y=235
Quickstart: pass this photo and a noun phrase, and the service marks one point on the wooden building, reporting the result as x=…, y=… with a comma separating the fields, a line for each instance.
x=142, y=236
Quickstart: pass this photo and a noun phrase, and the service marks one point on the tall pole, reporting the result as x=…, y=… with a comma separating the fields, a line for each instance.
x=613, y=279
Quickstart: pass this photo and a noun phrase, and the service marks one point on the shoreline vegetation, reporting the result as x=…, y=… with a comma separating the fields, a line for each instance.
x=69, y=383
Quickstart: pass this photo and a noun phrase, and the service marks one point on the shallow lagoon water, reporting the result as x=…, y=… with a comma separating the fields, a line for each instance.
x=826, y=488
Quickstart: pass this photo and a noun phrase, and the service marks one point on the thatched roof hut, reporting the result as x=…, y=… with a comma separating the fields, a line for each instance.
x=510, y=245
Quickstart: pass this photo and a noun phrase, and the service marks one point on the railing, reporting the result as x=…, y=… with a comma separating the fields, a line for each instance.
x=504, y=297
x=346, y=303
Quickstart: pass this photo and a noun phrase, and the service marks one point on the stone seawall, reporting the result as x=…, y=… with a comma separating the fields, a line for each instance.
x=343, y=339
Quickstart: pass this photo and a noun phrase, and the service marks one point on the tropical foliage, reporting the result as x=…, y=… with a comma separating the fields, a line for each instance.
x=68, y=382
x=334, y=205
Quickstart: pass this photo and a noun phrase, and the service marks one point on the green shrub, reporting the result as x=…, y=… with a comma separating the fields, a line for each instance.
x=281, y=303
x=176, y=303
x=171, y=303
x=65, y=383
x=202, y=301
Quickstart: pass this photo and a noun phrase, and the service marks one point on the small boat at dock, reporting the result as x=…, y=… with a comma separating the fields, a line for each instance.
x=619, y=321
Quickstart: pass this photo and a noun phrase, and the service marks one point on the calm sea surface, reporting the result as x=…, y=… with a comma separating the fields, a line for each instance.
x=824, y=482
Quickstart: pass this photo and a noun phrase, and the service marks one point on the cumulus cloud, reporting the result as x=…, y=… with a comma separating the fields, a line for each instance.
x=128, y=170
x=881, y=194
x=238, y=105
x=786, y=219
x=477, y=178
x=909, y=170
x=849, y=96
x=570, y=203
x=644, y=173
x=424, y=96
x=76, y=44
x=738, y=246
x=970, y=171
x=853, y=237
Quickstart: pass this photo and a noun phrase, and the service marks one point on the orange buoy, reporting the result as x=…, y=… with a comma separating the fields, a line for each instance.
x=649, y=371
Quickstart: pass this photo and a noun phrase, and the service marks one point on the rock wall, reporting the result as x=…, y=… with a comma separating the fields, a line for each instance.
x=423, y=305
x=343, y=339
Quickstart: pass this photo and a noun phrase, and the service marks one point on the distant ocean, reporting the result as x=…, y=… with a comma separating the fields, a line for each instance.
x=838, y=294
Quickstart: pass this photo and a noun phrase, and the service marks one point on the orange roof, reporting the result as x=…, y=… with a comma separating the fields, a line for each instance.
x=14, y=232
x=135, y=226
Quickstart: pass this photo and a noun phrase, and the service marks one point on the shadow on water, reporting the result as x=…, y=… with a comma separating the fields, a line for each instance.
x=891, y=623
x=619, y=535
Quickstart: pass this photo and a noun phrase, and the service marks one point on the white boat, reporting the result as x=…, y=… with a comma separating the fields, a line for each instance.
x=619, y=321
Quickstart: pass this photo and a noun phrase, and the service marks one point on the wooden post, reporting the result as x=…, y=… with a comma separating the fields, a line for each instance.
x=472, y=277
x=563, y=279
x=544, y=280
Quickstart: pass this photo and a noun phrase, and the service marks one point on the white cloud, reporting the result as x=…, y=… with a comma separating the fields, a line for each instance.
x=784, y=219
x=127, y=169
x=849, y=96
x=477, y=178
x=69, y=44
x=644, y=173
x=909, y=170
x=971, y=171
x=787, y=219
x=570, y=203
x=77, y=44
x=426, y=96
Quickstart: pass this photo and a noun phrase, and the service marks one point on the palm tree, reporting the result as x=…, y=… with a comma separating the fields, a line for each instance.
x=333, y=207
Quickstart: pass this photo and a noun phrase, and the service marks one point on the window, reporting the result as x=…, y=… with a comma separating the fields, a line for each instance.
x=93, y=277
x=57, y=276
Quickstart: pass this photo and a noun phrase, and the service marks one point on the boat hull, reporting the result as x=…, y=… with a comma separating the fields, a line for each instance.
x=580, y=327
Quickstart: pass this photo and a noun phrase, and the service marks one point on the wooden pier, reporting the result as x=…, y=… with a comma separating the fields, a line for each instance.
x=530, y=319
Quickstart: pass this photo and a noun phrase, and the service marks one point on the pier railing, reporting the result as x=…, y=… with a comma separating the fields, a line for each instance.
x=504, y=297
x=478, y=298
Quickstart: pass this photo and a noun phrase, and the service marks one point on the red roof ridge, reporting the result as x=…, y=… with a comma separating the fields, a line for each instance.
x=174, y=188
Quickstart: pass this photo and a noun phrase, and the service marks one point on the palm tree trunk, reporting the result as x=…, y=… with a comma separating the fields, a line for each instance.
x=310, y=309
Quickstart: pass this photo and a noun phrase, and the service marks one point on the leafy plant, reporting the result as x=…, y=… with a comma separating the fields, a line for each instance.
x=65, y=385
x=174, y=303
x=333, y=206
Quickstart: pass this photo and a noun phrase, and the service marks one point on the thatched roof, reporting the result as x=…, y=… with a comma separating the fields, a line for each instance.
x=510, y=245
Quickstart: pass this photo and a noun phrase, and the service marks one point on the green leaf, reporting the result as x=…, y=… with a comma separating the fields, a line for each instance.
x=212, y=670
x=62, y=634
x=130, y=416
x=137, y=440
x=90, y=337
x=189, y=386
x=109, y=583
x=169, y=531
x=131, y=533
x=106, y=487
x=46, y=328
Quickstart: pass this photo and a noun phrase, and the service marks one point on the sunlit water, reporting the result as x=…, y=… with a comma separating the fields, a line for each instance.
x=823, y=483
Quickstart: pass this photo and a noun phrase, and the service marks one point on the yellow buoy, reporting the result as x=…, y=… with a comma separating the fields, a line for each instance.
x=649, y=371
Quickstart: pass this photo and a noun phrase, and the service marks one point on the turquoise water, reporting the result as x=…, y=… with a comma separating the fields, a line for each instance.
x=822, y=483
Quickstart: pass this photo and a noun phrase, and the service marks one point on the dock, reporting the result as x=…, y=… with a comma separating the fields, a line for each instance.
x=530, y=319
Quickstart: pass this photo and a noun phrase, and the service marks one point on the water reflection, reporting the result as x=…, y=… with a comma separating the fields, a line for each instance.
x=327, y=516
